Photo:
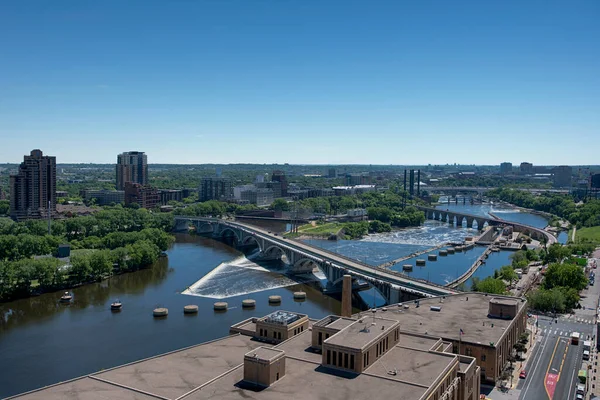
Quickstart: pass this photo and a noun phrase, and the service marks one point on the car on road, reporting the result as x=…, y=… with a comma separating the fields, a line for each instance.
x=523, y=374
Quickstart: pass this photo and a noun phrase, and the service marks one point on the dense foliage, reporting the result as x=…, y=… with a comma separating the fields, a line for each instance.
x=116, y=239
x=488, y=285
x=560, y=288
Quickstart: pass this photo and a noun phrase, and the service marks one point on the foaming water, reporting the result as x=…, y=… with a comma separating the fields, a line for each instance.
x=238, y=277
x=431, y=233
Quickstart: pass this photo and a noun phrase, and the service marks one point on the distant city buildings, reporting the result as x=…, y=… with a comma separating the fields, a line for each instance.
x=563, y=176
x=250, y=194
x=279, y=176
x=103, y=197
x=144, y=196
x=33, y=188
x=350, y=190
x=526, y=168
x=132, y=166
x=215, y=188
x=506, y=168
x=167, y=195
x=332, y=173
x=357, y=179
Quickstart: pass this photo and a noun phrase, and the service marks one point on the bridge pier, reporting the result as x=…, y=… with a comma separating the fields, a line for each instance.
x=480, y=223
x=470, y=222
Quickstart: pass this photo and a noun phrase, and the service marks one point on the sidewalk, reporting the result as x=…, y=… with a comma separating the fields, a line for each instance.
x=513, y=393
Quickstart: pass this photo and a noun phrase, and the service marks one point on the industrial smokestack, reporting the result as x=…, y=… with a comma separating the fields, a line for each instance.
x=347, y=296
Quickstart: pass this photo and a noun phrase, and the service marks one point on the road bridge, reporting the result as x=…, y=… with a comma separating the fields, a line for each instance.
x=454, y=217
x=483, y=189
x=302, y=258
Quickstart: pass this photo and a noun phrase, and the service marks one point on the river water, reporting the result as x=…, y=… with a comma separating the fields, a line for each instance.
x=43, y=342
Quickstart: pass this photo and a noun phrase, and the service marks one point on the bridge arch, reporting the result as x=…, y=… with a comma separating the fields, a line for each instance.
x=275, y=252
x=251, y=240
x=230, y=232
x=304, y=265
x=204, y=227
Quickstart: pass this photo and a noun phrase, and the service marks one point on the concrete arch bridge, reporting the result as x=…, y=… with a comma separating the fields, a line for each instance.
x=302, y=258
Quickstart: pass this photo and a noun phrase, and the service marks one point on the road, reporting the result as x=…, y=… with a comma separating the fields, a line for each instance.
x=552, y=367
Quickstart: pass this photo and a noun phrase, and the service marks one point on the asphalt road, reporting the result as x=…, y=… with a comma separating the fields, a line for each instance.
x=552, y=367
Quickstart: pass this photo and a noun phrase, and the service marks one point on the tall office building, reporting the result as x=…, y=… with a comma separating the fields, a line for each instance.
x=33, y=189
x=563, y=176
x=526, y=168
x=506, y=168
x=132, y=166
x=279, y=176
x=213, y=188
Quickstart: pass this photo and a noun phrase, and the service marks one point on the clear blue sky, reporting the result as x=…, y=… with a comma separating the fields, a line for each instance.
x=307, y=81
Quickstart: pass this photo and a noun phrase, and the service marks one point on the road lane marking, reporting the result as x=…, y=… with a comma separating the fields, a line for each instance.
x=535, y=364
x=550, y=379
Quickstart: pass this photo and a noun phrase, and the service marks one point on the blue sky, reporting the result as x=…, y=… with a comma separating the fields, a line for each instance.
x=381, y=82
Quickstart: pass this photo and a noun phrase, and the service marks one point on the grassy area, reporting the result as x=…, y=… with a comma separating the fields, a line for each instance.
x=588, y=234
x=328, y=229
x=82, y=252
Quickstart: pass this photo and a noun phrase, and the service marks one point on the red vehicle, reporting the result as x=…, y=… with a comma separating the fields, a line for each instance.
x=523, y=374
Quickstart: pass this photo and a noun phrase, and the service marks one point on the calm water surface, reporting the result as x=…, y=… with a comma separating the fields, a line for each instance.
x=44, y=342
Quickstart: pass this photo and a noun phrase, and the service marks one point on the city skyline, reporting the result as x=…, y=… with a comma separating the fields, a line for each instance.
x=342, y=83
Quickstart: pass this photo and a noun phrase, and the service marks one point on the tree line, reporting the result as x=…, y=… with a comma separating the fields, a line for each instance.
x=114, y=240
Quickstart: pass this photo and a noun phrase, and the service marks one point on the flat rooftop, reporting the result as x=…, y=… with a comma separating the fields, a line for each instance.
x=362, y=332
x=456, y=313
x=341, y=323
x=409, y=365
x=282, y=317
x=265, y=353
x=215, y=370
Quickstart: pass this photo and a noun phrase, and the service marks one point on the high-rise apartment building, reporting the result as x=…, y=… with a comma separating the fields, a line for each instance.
x=132, y=166
x=279, y=176
x=33, y=189
x=506, y=168
x=563, y=176
x=215, y=188
x=526, y=168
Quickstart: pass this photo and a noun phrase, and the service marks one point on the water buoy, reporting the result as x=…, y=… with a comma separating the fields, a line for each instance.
x=248, y=303
x=420, y=262
x=299, y=295
x=220, y=306
x=407, y=267
x=160, y=312
x=274, y=299
x=432, y=257
x=190, y=309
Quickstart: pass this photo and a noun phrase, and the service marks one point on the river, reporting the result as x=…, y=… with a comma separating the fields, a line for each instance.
x=43, y=342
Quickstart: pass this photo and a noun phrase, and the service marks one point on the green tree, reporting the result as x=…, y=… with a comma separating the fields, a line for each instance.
x=100, y=264
x=4, y=207
x=490, y=285
x=564, y=275
x=508, y=273
x=280, y=205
